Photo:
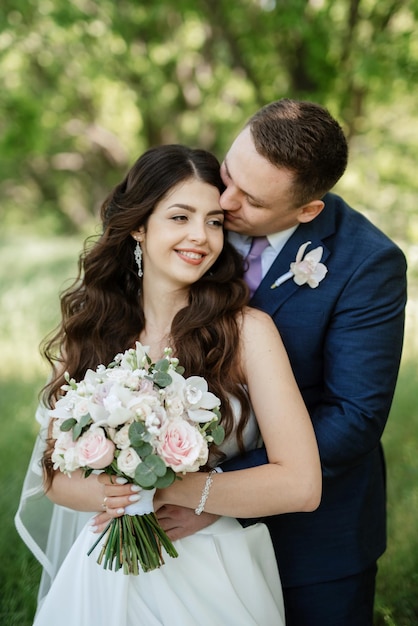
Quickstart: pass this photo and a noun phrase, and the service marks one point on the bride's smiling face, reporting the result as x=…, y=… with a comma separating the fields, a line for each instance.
x=184, y=234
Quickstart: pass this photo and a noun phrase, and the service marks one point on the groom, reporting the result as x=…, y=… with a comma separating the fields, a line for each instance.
x=344, y=340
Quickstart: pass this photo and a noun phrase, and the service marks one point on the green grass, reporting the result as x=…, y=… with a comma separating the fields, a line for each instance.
x=397, y=598
x=19, y=571
x=32, y=271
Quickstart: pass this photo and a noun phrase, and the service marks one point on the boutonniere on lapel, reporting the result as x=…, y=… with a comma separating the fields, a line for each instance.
x=305, y=269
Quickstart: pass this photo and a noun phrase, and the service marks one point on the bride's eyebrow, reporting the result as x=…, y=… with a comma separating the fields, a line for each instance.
x=191, y=209
x=179, y=205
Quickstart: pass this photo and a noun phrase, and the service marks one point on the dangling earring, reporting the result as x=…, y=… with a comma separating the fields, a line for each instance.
x=138, y=259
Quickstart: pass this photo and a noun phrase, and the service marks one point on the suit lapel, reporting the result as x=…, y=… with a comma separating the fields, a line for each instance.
x=316, y=231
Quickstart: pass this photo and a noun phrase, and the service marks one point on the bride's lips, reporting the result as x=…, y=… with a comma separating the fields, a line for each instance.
x=193, y=257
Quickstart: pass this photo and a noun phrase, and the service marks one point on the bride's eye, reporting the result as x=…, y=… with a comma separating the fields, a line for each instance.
x=179, y=218
x=216, y=222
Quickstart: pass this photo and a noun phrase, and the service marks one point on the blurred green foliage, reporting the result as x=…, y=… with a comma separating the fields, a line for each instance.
x=87, y=85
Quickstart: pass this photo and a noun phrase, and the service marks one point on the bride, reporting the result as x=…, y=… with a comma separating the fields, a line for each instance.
x=162, y=273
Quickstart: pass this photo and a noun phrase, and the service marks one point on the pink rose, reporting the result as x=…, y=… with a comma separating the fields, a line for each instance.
x=182, y=446
x=95, y=450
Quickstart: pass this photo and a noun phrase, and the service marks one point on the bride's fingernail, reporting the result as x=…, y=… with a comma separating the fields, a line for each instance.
x=134, y=498
x=120, y=511
x=121, y=481
x=93, y=529
x=135, y=488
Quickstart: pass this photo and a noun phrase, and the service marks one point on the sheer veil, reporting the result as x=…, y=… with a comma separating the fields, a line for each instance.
x=47, y=529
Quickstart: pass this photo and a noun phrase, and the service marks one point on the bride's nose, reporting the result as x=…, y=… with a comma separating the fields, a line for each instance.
x=197, y=233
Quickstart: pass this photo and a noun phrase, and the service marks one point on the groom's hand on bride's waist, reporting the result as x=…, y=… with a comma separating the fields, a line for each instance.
x=179, y=522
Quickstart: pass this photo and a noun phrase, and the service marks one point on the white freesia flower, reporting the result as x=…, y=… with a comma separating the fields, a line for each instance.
x=133, y=359
x=155, y=420
x=64, y=440
x=144, y=404
x=174, y=406
x=65, y=458
x=305, y=269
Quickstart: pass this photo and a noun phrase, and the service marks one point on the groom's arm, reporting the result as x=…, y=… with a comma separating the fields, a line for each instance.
x=249, y=459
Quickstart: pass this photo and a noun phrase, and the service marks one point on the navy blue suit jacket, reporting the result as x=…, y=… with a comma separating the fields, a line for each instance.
x=344, y=341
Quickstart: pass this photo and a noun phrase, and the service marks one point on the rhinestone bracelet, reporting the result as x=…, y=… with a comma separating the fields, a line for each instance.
x=205, y=492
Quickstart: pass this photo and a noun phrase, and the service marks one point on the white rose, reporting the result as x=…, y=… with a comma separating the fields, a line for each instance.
x=128, y=461
x=121, y=437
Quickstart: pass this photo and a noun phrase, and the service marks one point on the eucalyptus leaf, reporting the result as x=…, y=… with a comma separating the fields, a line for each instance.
x=86, y=419
x=166, y=480
x=77, y=430
x=162, y=365
x=137, y=432
x=145, y=476
x=143, y=449
x=156, y=464
x=218, y=435
x=68, y=424
x=162, y=379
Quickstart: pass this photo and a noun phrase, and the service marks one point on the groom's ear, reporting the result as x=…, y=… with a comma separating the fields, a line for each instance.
x=310, y=211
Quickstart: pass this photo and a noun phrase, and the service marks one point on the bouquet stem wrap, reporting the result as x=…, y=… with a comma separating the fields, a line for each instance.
x=135, y=538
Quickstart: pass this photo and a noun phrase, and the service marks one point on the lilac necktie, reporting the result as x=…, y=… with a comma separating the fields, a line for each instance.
x=253, y=274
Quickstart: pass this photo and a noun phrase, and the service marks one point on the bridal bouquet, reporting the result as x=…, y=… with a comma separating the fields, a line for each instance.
x=142, y=422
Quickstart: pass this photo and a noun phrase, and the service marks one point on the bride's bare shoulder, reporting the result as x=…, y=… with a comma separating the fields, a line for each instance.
x=254, y=322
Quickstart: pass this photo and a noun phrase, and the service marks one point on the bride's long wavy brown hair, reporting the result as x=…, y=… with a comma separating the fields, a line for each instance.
x=102, y=312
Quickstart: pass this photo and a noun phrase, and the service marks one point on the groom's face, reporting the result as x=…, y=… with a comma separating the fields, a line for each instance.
x=258, y=195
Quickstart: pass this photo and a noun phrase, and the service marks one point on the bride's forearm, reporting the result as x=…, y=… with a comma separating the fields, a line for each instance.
x=77, y=492
x=255, y=492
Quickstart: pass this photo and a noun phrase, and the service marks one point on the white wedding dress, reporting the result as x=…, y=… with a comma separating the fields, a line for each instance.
x=225, y=575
